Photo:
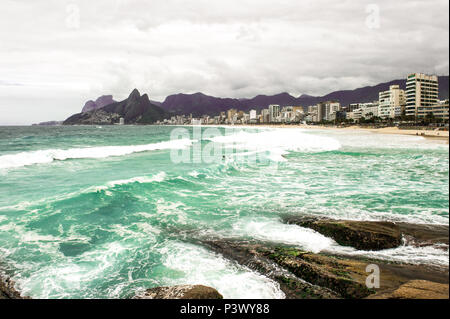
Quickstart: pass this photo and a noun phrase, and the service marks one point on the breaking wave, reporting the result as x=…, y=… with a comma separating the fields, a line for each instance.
x=278, y=142
x=50, y=155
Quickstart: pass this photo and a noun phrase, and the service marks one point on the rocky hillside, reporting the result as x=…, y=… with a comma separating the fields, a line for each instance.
x=136, y=109
x=98, y=104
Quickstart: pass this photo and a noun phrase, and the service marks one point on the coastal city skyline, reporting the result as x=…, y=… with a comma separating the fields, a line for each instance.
x=419, y=101
x=418, y=98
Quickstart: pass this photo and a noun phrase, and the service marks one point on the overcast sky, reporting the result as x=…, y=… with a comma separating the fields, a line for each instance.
x=56, y=54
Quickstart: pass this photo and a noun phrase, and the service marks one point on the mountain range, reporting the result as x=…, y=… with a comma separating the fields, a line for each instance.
x=199, y=103
x=140, y=110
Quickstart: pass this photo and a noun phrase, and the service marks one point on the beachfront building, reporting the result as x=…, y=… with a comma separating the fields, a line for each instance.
x=391, y=103
x=356, y=115
x=370, y=110
x=338, y=115
x=274, y=113
x=231, y=115
x=321, y=112
x=440, y=110
x=331, y=107
x=253, y=117
x=292, y=114
x=437, y=111
x=421, y=94
x=324, y=109
x=265, y=116
x=351, y=107
x=311, y=115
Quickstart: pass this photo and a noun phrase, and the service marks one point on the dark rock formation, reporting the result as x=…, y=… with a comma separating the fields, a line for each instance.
x=374, y=235
x=423, y=234
x=98, y=104
x=181, y=292
x=93, y=117
x=260, y=258
x=7, y=289
x=136, y=109
x=358, y=234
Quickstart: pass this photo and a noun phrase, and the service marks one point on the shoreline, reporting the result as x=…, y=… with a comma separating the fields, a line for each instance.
x=428, y=134
x=435, y=135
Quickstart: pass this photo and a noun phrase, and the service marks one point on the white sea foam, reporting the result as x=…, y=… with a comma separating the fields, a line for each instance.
x=140, y=179
x=197, y=265
x=69, y=277
x=278, y=142
x=274, y=231
x=50, y=155
x=436, y=255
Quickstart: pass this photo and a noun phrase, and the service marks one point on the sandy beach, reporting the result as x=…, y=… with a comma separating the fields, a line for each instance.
x=434, y=134
x=437, y=135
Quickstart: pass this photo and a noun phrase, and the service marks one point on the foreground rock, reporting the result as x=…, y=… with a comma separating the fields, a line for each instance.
x=305, y=275
x=417, y=289
x=181, y=292
x=268, y=261
x=373, y=235
x=7, y=289
x=301, y=275
x=424, y=235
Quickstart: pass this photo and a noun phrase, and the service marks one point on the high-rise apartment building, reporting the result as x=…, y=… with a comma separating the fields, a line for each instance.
x=324, y=109
x=421, y=93
x=274, y=112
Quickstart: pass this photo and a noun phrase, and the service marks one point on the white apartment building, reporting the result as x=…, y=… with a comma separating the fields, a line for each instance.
x=331, y=107
x=274, y=112
x=391, y=103
x=370, y=111
x=265, y=116
x=440, y=110
x=421, y=93
x=356, y=115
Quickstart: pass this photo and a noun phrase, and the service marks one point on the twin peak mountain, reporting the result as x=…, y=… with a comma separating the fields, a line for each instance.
x=136, y=109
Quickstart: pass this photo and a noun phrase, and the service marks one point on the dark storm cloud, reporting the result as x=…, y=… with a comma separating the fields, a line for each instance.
x=65, y=52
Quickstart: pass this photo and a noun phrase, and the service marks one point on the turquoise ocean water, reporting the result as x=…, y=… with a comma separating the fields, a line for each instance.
x=104, y=212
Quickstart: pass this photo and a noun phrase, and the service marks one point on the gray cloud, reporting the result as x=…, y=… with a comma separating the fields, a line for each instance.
x=63, y=53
